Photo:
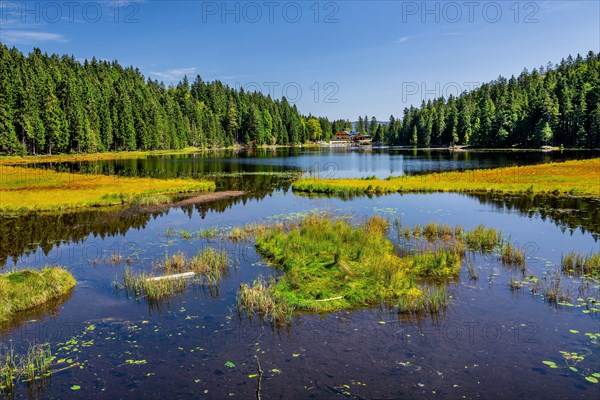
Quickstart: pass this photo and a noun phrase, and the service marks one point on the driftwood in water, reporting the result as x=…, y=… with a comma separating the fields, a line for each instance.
x=176, y=276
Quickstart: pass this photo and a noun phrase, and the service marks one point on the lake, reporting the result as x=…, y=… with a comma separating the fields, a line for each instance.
x=491, y=339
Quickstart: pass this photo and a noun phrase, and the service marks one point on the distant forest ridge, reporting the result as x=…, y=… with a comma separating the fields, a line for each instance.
x=51, y=104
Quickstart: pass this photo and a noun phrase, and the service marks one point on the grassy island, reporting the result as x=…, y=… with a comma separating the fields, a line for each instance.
x=25, y=290
x=576, y=178
x=29, y=189
x=329, y=264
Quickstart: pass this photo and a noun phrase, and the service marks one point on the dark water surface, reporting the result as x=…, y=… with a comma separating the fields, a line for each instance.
x=489, y=343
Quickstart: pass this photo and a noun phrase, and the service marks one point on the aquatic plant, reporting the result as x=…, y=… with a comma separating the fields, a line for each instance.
x=205, y=268
x=260, y=298
x=483, y=239
x=33, y=365
x=579, y=264
x=512, y=255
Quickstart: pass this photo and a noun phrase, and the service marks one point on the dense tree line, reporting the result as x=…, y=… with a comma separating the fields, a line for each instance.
x=553, y=105
x=51, y=104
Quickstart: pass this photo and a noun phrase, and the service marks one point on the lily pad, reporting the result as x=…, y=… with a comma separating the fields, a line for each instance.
x=229, y=364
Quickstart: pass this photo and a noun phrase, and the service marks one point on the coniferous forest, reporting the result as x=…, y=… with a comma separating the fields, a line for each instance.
x=52, y=104
x=555, y=105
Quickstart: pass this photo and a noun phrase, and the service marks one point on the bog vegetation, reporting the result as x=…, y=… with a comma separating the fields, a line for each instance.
x=26, y=189
x=328, y=264
x=579, y=178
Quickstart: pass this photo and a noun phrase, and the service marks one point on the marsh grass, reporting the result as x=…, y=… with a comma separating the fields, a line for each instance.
x=32, y=366
x=512, y=256
x=329, y=264
x=208, y=233
x=552, y=289
x=27, y=289
x=260, y=298
x=27, y=189
x=185, y=235
x=208, y=265
x=565, y=178
x=483, y=239
x=428, y=298
x=580, y=264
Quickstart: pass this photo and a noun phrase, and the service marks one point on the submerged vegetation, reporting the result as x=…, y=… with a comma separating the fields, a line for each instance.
x=178, y=273
x=566, y=178
x=27, y=289
x=28, y=189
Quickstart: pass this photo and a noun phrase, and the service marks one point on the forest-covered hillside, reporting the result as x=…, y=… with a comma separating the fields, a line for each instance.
x=553, y=105
x=51, y=103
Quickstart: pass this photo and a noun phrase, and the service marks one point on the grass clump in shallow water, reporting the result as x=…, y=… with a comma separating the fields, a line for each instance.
x=579, y=264
x=261, y=297
x=207, y=268
x=31, y=366
x=24, y=290
x=330, y=265
x=483, y=239
x=512, y=255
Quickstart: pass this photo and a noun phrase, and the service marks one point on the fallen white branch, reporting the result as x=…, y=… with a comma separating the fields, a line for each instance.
x=176, y=276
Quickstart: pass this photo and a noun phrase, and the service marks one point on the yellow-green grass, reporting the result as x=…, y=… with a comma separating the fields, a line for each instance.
x=578, y=178
x=330, y=265
x=119, y=155
x=29, y=189
x=25, y=290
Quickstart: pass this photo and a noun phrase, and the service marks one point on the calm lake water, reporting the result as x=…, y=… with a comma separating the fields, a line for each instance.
x=489, y=343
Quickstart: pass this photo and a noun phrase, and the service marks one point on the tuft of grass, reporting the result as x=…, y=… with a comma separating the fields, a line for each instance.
x=185, y=235
x=512, y=255
x=209, y=265
x=209, y=233
x=579, y=264
x=559, y=179
x=260, y=298
x=483, y=239
x=31, y=366
x=515, y=284
x=27, y=289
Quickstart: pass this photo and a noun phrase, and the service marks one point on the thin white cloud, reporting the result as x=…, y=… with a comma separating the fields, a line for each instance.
x=30, y=37
x=403, y=39
x=174, y=74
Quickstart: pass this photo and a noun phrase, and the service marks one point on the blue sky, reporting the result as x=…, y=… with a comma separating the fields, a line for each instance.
x=339, y=59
